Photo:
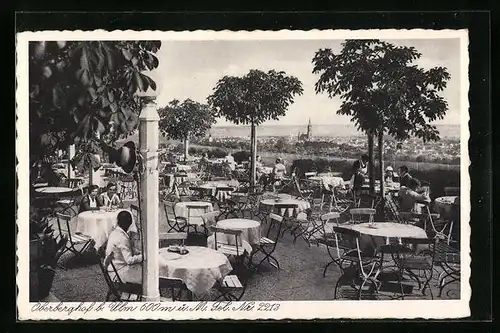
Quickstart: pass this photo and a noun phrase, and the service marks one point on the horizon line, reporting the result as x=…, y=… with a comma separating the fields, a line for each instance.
x=313, y=124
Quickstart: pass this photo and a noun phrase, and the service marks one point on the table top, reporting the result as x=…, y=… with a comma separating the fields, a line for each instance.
x=194, y=203
x=238, y=224
x=272, y=202
x=198, y=257
x=54, y=190
x=446, y=200
x=99, y=213
x=219, y=183
x=388, y=229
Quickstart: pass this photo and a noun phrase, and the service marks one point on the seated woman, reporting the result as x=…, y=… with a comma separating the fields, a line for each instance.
x=91, y=201
x=110, y=198
x=126, y=259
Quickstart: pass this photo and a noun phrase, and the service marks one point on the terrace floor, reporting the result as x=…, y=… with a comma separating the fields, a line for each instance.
x=299, y=278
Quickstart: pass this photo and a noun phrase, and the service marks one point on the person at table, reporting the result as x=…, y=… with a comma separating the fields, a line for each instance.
x=126, y=258
x=389, y=175
x=279, y=172
x=110, y=198
x=410, y=198
x=357, y=179
x=91, y=201
x=404, y=176
x=259, y=167
x=230, y=161
x=362, y=165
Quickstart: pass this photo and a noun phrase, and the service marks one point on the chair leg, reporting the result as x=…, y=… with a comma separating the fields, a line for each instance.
x=326, y=267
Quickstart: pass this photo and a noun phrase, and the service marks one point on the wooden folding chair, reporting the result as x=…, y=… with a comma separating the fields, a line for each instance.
x=117, y=289
x=267, y=246
x=228, y=248
x=361, y=215
x=175, y=223
x=231, y=288
x=171, y=289
x=167, y=238
x=74, y=239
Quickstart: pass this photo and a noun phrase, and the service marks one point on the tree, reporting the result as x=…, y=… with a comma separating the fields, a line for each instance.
x=253, y=99
x=84, y=92
x=182, y=121
x=383, y=91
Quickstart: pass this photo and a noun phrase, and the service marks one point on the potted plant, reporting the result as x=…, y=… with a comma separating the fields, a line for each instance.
x=45, y=251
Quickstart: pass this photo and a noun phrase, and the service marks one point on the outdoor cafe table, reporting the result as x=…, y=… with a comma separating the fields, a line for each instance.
x=98, y=224
x=300, y=205
x=328, y=181
x=193, y=215
x=379, y=233
x=443, y=206
x=250, y=230
x=211, y=187
x=200, y=269
x=54, y=190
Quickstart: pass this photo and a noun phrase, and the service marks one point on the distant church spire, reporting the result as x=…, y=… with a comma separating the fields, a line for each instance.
x=309, y=130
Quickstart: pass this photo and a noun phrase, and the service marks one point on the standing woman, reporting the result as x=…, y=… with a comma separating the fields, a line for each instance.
x=91, y=201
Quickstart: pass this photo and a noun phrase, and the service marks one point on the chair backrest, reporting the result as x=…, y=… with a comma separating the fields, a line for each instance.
x=330, y=216
x=310, y=174
x=362, y=214
x=283, y=208
x=173, y=235
x=171, y=284
x=136, y=213
x=230, y=232
x=279, y=220
x=169, y=238
x=63, y=225
x=210, y=218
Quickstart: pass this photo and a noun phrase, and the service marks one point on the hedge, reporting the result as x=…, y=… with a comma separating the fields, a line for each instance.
x=438, y=178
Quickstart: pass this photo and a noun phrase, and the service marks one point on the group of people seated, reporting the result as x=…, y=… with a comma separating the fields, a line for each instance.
x=94, y=200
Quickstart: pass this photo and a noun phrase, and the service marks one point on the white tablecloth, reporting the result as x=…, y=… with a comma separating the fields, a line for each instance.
x=328, y=181
x=199, y=269
x=211, y=187
x=194, y=214
x=250, y=229
x=300, y=205
x=388, y=230
x=99, y=224
x=51, y=190
x=183, y=167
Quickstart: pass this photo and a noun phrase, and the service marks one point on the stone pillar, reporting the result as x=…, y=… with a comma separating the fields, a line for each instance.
x=71, y=154
x=148, y=148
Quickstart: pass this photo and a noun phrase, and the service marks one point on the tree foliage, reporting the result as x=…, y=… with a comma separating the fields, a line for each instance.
x=189, y=119
x=381, y=88
x=79, y=88
x=256, y=97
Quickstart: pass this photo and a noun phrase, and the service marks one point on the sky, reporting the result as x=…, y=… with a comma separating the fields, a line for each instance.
x=191, y=69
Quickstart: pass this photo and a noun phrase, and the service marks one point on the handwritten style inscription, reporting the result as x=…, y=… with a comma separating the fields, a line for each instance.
x=128, y=307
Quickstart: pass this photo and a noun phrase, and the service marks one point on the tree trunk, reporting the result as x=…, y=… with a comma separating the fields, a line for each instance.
x=381, y=161
x=253, y=148
x=371, y=174
x=186, y=149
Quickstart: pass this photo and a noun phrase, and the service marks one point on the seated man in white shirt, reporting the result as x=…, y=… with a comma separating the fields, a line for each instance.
x=279, y=172
x=127, y=262
x=110, y=198
x=230, y=161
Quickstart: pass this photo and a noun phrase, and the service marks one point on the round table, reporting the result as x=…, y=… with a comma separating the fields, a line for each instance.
x=388, y=230
x=300, y=205
x=193, y=215
x=372, y=238
x=328, y=181
x=444, y=206
x=53, y=190
x=211, y=187
x=98, y=224
x=200, y=269
x=250, y=229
